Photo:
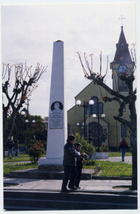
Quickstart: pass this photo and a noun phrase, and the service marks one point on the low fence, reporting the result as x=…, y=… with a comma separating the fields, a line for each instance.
x=112, y=166
x=113, y=171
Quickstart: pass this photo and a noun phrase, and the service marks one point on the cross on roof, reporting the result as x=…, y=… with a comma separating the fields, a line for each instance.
x=121, y=20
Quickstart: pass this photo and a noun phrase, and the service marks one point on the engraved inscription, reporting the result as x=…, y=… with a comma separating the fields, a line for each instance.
x=56, y=121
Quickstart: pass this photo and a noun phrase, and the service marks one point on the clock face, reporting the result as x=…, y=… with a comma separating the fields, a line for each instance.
x=122, y=68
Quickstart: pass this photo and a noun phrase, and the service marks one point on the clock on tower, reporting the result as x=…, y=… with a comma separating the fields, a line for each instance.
x=122, y=69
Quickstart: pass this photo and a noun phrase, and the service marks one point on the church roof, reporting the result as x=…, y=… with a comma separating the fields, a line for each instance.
x=122, y=54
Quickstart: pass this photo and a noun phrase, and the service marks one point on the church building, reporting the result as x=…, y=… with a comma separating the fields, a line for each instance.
x=95, y=122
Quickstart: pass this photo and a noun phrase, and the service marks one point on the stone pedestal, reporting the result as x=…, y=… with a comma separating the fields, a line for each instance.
x=57, y=124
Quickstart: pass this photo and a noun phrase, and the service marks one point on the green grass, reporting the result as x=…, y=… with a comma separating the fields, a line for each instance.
x=22, y=157
x=8, y=185
x=7, y=168
x=25, y=157
x=112, y=168
x=108, y=168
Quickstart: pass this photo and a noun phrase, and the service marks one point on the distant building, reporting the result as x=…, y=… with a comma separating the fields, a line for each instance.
x=110, y=130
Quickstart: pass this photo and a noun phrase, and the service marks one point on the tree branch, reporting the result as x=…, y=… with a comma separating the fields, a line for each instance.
x=24, y=85
x=123, y=121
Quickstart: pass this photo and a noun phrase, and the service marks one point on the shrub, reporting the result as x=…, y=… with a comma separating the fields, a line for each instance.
x=90, y=162
x=102, y=149
x=87, y=148
x=36, y=151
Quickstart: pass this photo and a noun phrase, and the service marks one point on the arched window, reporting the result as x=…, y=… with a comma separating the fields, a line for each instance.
x=95, y=105
x=100, y=108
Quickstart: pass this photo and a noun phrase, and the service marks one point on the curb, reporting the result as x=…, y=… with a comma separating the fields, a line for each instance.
x=123, y=192
x=111, y=178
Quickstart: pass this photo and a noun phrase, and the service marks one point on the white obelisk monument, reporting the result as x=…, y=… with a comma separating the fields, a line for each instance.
x=57, y=124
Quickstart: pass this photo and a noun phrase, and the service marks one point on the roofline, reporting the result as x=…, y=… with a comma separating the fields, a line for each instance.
x=83, y=89
x=71, y=108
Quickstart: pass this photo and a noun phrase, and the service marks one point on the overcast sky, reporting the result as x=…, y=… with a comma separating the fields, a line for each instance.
x=28, y=33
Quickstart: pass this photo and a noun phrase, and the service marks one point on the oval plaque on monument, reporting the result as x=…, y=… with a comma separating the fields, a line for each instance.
x=56, y=118
x=57, y=107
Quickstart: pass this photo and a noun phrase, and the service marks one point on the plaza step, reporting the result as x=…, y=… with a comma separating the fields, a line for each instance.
x=55, y=200
x=38, y=174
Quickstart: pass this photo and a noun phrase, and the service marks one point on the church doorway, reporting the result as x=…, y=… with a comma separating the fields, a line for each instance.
x=92, y=133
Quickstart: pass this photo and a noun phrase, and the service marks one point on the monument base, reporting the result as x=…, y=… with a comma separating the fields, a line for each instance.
x=50, y=164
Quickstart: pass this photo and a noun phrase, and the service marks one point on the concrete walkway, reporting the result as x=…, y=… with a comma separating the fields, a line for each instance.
x=127, y=159
x=55, y=185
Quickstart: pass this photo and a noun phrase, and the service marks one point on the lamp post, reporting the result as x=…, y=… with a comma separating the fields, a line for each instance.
x=86, y=104
x=99, y=116
x=90, y=136
x=27, y=138
x=81, y=126
x=20, y=114
x=29, y=122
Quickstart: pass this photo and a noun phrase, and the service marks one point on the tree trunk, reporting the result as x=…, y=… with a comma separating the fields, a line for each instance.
x=7, y=132
x=134, y=156
x=134, y=170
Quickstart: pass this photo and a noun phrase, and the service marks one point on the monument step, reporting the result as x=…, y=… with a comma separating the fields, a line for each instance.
x=66, y=201
x=38, y=174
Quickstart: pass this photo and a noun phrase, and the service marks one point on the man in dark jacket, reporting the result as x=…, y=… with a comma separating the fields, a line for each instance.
x=69, y=163
x=123, y=146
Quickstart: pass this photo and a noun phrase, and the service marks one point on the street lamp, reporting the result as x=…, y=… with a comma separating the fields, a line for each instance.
x=99, y=116
x=81, y=127
x=86, y=104
x=20, y=114
x=27, y=121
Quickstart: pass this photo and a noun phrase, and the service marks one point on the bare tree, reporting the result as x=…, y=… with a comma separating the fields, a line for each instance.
x=129, y=100
x=18, y=84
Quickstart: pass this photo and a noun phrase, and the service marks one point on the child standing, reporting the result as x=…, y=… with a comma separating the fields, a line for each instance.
x=79, y=164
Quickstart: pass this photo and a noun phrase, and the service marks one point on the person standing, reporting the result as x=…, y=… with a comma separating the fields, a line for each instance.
x=69, y=163
x=10, y=145
x=79, y=164
x=123, y=146
x=16, y=148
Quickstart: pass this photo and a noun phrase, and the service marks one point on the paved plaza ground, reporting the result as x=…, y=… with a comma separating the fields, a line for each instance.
x=127, y=159
x=51, y=184
x=101, y=185
x=103, y=193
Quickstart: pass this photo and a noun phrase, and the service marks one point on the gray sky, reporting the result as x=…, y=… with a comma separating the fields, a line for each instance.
x=28, y=33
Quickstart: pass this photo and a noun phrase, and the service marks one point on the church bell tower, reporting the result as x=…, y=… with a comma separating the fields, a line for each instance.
x=122, y=64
